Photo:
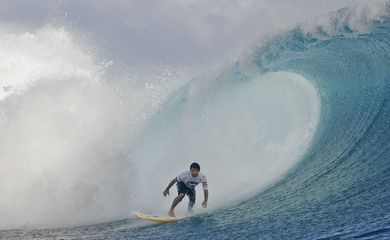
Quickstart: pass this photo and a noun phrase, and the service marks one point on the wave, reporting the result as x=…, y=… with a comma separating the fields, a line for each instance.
x=340, y=186
x=293, y=137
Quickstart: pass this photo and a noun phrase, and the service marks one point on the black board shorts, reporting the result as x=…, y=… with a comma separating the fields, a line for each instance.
x=190, y=192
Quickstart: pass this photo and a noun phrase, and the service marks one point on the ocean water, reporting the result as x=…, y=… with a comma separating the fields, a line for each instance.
x=294, y=136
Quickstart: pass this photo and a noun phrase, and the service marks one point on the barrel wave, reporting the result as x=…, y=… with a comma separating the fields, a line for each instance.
x=340, y=189
x=325, y=173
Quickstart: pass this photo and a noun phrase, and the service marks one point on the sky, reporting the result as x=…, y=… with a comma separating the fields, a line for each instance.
x=168, y=31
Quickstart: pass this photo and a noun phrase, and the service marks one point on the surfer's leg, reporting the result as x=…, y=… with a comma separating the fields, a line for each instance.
x=190, y=206
x=181, y=190
x=174, y=204
x=191, y=195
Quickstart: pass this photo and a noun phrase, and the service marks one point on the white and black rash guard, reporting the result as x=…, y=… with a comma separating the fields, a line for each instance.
x=191, y=181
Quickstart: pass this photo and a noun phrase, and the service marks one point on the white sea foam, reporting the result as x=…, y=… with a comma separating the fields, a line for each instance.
x=245, y=136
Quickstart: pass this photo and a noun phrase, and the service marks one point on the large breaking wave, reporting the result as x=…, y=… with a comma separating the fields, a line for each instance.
x=294, y=139
x=340, y=189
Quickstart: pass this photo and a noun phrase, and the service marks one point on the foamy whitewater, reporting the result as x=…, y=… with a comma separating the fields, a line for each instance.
x=284, y=105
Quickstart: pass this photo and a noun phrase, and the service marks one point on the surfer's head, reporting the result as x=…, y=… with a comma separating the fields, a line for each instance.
x=195, y=169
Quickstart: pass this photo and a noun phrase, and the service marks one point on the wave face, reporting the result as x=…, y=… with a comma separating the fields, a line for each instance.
x=340, y=189
x=305, y=119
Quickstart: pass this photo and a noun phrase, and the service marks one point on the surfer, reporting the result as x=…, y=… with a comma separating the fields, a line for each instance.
x=186, y=183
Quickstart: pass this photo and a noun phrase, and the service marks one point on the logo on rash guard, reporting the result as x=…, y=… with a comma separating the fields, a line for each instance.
x=192, y=184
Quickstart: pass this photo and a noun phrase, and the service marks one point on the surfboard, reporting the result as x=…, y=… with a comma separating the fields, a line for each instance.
x=156, y=218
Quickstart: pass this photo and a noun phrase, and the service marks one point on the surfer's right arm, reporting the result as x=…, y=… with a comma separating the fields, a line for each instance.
x=166, y=191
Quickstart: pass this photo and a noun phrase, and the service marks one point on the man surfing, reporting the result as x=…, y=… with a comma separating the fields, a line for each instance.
x=186, y=183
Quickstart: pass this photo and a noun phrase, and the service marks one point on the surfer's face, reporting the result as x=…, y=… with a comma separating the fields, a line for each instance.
x=194, y=172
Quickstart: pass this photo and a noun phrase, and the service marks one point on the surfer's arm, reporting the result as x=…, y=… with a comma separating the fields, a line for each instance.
x=205, y=191
x=166, y=191
x=206, y=197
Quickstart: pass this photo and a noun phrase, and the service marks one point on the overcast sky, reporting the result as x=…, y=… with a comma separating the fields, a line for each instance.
x=171, y=29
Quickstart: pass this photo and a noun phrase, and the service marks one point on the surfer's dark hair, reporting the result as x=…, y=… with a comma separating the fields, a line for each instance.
x=195, y=165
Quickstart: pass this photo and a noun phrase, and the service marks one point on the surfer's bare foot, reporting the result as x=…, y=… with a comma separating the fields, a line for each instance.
x=171, y=214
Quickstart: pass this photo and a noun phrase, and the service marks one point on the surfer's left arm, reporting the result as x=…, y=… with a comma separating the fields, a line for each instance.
x=205, y=191
x=206, y=197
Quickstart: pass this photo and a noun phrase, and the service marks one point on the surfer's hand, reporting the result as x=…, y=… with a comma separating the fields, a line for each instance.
x=204, y=204
x=166, y=192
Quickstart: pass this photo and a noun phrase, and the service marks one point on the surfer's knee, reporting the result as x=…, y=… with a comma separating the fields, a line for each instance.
x=181, y=196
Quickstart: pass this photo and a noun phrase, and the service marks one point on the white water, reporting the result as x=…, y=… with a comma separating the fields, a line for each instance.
x=245, y=136
x=66, y=131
